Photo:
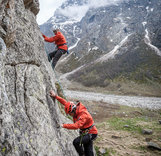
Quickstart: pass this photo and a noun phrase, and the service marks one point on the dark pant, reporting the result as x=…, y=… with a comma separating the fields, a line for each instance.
x=55, y=56
x=86, y=143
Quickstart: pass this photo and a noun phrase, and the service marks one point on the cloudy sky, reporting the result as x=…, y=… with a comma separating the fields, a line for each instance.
x=47, y=8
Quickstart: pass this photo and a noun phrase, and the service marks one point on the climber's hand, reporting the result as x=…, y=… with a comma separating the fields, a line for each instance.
x=52, y=94
x=43, y=35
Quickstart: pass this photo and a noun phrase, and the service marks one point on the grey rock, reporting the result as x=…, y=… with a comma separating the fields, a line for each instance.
x=116, y=137
x=153, y=146
x=148, y=139
x=147, y=131
x=29, y=118
x=102, y=151
x=33, y=5
x=126, y=126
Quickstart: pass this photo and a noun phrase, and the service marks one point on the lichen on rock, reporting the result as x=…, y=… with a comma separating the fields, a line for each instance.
x=29, y=118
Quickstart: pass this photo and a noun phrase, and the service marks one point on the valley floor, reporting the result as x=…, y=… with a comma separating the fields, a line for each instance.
x=134, y=101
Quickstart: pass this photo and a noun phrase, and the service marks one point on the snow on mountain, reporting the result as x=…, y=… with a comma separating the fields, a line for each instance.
x=113, y=52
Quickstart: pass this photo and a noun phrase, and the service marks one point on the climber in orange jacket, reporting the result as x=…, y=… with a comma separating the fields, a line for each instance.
x=61, y=44
x=83, y=121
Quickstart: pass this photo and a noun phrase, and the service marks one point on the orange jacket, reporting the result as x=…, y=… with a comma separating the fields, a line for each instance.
x=82, y=118
x=58, y=39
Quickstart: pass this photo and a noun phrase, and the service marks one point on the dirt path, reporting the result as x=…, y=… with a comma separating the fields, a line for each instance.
x=133, y=101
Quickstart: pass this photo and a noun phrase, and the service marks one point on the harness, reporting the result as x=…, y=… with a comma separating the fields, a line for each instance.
x=62, y=45
x=86, y=130
x=83, y=132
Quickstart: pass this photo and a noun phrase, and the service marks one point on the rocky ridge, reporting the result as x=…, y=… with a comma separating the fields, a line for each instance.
x=29, y=118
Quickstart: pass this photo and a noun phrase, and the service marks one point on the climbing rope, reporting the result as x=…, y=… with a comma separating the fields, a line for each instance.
x=55, y=73
x=81, y=138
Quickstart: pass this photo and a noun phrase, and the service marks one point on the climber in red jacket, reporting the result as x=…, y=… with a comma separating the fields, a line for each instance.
x=83, y=121
x=61, y=44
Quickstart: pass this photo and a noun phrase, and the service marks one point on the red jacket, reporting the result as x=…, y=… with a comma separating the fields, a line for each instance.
x=82, y=118
x=58, y=39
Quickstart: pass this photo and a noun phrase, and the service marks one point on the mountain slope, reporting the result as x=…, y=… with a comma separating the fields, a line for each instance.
x=115, y=42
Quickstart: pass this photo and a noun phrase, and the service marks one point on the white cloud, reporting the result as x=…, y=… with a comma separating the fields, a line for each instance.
x=99, y=3
x=77, y=12
x=47, y=8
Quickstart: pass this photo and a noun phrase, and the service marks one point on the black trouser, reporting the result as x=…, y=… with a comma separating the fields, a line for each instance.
x=86, y=143
x=55, y=56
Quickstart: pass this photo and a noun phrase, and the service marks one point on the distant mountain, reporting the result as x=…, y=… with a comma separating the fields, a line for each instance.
x=112, y=43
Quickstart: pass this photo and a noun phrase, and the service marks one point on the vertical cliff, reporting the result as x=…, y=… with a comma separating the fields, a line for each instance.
x=29, y=118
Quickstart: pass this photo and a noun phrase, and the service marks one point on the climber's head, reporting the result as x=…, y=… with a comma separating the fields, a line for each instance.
x=55, y=29
x=70, y=108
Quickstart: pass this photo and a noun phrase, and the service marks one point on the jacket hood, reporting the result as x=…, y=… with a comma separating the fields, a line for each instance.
x=80, y=108
x=58, y=33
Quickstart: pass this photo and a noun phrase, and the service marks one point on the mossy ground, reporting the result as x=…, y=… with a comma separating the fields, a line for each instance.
x=127, y=124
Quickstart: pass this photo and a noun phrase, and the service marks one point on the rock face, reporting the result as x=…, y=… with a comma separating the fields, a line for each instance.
x=29, y=118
